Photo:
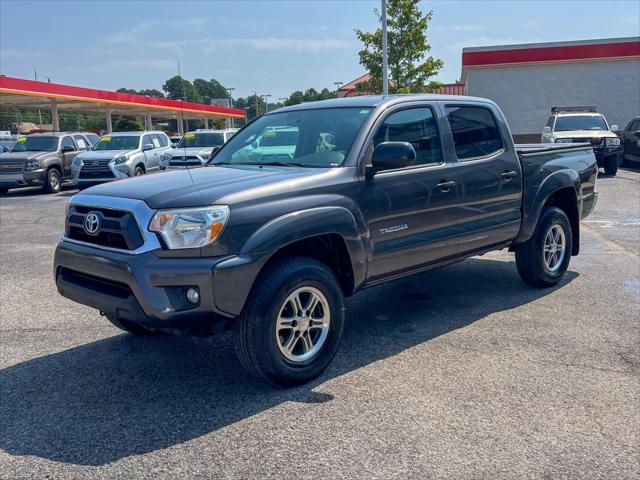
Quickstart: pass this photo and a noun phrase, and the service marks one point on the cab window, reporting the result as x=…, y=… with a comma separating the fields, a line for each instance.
x=68, y=142
x=475, y=132
x=416, y=126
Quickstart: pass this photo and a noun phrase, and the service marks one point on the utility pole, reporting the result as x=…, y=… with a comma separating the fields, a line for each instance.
x=266, y=102
x=337, y=84
x=385, y=67
x=255, y=95
x=35, y=76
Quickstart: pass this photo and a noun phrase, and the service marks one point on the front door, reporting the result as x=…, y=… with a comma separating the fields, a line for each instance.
x=67, y=157
x=410, y=212
x=489, y=176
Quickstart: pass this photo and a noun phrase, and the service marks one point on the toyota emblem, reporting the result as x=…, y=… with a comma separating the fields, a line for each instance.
x=92, y=223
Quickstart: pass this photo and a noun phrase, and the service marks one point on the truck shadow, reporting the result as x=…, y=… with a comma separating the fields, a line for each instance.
x=123, y=395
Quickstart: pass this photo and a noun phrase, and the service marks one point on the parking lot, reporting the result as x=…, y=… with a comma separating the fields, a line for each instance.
x=463, y=372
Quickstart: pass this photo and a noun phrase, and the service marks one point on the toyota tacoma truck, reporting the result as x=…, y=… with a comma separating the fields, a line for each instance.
x=268, y=246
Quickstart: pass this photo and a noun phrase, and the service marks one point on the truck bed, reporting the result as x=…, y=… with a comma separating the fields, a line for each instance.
x=538, y=148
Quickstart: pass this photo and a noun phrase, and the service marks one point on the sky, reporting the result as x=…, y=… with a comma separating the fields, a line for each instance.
x=271, y=47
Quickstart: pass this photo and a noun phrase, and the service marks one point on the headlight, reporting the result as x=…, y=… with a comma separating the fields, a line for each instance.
x=190, y=227
x=31, y=165
x=612, y=141
x=564, y=140
x=120, y=159
x=77, y=162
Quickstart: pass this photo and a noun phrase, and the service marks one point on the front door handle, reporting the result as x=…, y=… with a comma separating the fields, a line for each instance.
x=446, y=185
x=508, y=174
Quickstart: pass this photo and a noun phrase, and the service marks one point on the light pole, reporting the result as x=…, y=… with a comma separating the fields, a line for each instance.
x=265, y=98
x=229, y=90
x=282, y=100
x=255, y=94
x=385, y=67
x=337, y=84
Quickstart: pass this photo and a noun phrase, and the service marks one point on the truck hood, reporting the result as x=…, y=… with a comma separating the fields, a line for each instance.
x=584, y=134
x=204, y=152
x=205, y=185
x=13, y=156
x=99, y=154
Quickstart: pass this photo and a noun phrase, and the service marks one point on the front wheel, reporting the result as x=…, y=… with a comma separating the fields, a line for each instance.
x=291, y=326
x=138, y=172
x=53, y=182
x=543, y=260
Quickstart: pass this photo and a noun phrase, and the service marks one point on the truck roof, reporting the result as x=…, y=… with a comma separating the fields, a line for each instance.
x=372, y=101
x=55, y=134
x=124, y=134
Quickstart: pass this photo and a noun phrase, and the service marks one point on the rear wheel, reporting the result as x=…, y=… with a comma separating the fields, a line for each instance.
x=543, y=260
x=611, y=165
x=53, y=182
x=130, y=327
x=292, y=324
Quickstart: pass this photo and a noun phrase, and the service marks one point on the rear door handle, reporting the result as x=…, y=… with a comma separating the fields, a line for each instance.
x=446, y=185
x=508, y=174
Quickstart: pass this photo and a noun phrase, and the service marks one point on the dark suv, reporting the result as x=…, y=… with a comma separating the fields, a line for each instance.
x=42, y=159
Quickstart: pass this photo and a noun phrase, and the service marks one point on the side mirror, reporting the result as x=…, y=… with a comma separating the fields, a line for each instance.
x=68, y=148
x=392, y=155
x=546, y=130
x=147, y=146
x=614, y=128
x=174, y=145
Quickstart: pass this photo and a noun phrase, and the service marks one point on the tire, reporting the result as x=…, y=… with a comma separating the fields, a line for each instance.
x=53, y=181
x=129, y=327
x=138, y=171
x=530, y=257
x=611, y=165
x=261, y=346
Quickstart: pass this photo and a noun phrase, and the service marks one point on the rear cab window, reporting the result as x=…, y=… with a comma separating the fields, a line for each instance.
x=475, y=131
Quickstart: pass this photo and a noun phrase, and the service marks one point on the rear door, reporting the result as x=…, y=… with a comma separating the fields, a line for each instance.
x=489, y=176
x=410, y=211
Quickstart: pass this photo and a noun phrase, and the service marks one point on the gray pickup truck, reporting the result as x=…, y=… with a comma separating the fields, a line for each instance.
x=368, y=189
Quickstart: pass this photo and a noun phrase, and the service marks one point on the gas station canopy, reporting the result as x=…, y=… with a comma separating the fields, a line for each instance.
x=21, y=93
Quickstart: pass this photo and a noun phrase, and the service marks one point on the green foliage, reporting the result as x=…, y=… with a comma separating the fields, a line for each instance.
x=177, y=88
x=409, y=70
x=210, y=90
x=149, y=92
x=128, y=124
x=310, y=95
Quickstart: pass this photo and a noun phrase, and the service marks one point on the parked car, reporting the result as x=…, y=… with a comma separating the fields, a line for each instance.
x=195, y=148
x=630, y=138
x=42, y=159
x=585, y=124
x=175, y=139
x=269, y=247
x=120, y=155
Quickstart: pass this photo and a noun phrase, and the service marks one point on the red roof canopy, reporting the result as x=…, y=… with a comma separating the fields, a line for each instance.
x=29, y=93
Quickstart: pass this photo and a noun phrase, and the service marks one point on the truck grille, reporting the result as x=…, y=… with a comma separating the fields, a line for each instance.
x=190, y=161
x=591, y=140
x=96, y=169
x=11, y=167
x=118, y=229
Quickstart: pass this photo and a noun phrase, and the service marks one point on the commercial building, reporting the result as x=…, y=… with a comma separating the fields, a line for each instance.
x=527, y=80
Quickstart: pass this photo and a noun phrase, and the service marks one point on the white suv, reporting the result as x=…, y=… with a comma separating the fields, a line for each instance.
x=195, y=148
x=585, y=124
x=120, y=155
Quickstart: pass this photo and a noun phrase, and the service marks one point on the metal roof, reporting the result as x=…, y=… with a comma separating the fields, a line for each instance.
x=18, y=92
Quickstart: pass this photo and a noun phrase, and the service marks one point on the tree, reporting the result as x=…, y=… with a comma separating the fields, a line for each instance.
x=178, y=88
x=409, y=70
x=210, y=90
x=127, y=124
x=151, y=92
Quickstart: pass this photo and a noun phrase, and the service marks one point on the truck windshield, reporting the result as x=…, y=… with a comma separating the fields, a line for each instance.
x=210, y=139
x=124, y=142
x=580, y=122
x=35, y=144
x=305, y=138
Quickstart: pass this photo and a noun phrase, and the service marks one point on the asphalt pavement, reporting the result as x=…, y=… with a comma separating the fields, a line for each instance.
x=459, y=373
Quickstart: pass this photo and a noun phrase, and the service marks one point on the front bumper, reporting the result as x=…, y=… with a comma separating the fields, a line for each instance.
x=23, y=179
x=603, y=153
x=144, y=288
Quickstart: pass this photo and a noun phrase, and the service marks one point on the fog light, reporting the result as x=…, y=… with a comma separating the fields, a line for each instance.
x=193, y=296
